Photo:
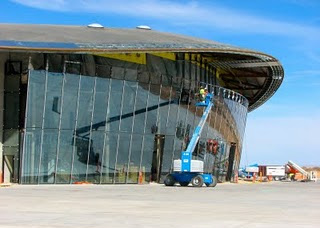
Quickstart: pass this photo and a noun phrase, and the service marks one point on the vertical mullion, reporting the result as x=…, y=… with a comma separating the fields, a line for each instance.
x=200, y=69
x=206, y=70
x=25, y=121
x=90, y=133
x=174, y=141
x=214, y=113
x=188, y=105
x=222, y=106
x=206, y=137
x=146, y=113
x=105, y=129
x=217, y=102
x=244, y=122
x=158, y=111
x=233, y=120
x=75, y=127
x=197, y=86
x=43, y=117
x=59, y=127
x=195, y=69
x=130, y=143
x=169, y=108
x=117, y=152
x=144, y=129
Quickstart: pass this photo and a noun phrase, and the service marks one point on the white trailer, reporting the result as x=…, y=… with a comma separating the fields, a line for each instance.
x=277, y=172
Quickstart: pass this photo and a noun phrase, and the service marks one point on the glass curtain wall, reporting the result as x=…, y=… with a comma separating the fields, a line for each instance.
x=102, y=129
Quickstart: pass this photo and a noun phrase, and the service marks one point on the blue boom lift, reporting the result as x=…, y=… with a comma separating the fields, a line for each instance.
x=187, y=170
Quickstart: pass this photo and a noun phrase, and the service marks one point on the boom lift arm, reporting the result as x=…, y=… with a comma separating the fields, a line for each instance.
x=186, y=156
x=187, y=170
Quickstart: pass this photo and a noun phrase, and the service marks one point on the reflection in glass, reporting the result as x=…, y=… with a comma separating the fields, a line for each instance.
x=85, y=102
x=100, y=103
x=134, y=160
x=173, y=113
x=147, y=153
x=31, y=156
x=152, y=110
x=167, y=155
x=95, y=157
x=122, y=158
x=141, y=108
x=35, y=98
x=48, y=156
x=70, y=97
x=164, y=108
x=128, y=106
x=114, y=107
x=53, y=100
x=83, y=116
x=65, y=157
x=109, y=158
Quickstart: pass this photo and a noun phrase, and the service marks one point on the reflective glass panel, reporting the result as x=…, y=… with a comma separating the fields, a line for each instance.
x=31, y=156
x=131, y=74
x=141, y=108
x=117, y=72
x=134, y=161
x=81, y=156
x=147, y=151
x=100, y=104
x=85, y=107
x=95, y=157
x=122, y=158
x=173, y=113
x=164, y=108
x=128, y=105
x=64, y=165
x=53, y=100
x=152, y=109
x=70, y=99
x=35, y=98
x=114, y=107
x=48, y=156
x=167, y=155
x=109, y=158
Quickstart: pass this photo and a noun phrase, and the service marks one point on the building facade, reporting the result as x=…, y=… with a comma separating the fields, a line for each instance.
x=117, y=106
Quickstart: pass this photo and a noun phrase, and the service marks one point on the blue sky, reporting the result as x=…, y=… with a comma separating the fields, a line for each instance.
x=287, y=126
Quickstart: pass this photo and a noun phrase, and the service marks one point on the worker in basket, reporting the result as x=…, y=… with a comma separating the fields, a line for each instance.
x=202, y=93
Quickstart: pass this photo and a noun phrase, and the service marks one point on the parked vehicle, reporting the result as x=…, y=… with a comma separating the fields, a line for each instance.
x=277, y=172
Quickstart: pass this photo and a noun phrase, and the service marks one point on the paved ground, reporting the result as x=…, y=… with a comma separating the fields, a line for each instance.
x=227, y=205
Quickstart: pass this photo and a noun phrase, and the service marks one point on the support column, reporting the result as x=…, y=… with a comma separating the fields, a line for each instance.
x=3, y=59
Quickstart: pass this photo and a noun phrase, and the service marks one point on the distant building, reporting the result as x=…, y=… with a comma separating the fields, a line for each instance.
x=108, y=105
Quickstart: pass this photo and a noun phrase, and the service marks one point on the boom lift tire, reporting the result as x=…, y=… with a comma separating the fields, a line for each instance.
x=214, y=182
x=197, y=181
x=169, y=180
x=184, y=184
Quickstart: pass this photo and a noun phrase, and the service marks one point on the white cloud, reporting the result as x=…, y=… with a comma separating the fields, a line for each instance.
x=58, y=5
x=183, y=13
x=303, y=77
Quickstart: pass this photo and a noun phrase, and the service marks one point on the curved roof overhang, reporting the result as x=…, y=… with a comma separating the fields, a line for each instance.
x=253, y=74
